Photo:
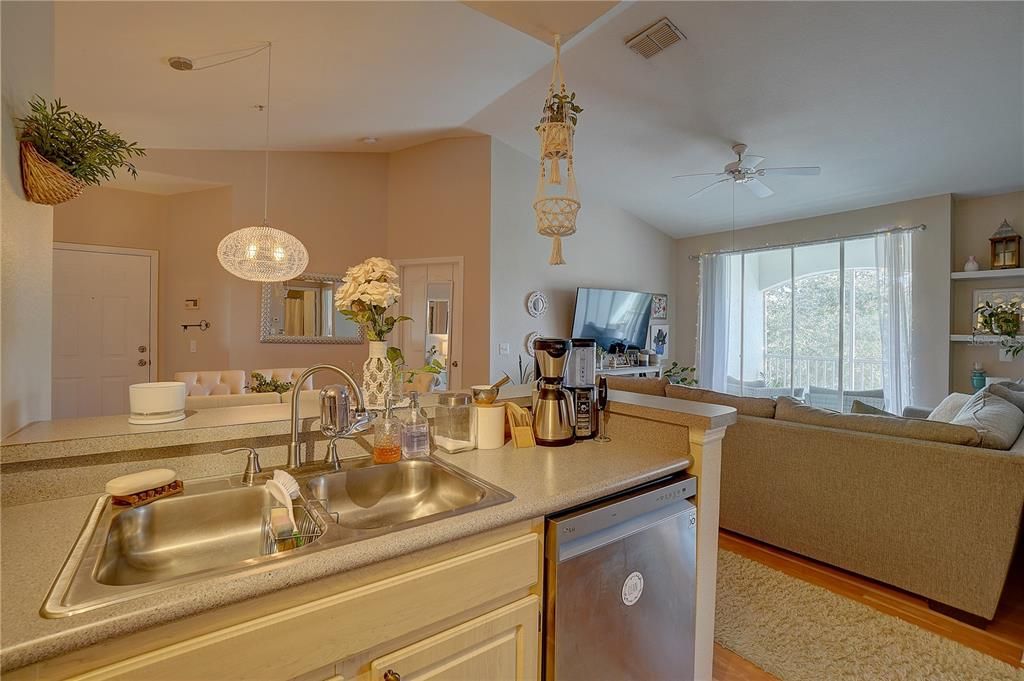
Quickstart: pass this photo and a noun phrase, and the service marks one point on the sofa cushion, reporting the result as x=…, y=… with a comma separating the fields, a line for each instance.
x=747, y=406
x=788, y=409
x=858, y=407
x=999, y=422
x=949, y=407
x=196, y=402
x=633, y=384
x=1014, y=397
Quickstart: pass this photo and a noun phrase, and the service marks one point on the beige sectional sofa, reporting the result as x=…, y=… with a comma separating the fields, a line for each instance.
x=935, y=518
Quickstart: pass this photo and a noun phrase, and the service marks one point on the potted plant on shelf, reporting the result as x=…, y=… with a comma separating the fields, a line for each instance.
x=63, y=151
x=368, y=290
x=1002, y=319
x=680, y=375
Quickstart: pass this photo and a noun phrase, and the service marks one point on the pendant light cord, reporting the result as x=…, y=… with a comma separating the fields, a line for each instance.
x=266, y=141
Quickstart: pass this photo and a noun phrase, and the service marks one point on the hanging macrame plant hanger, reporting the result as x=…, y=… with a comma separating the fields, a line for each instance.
x=556, y=212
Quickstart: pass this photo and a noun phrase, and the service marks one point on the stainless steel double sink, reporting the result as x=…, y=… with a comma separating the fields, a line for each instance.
x=219, y=526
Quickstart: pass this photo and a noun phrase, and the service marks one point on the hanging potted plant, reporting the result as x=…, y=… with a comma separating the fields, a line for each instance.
x=368, y=290
x=561, y=113
x=62, y=152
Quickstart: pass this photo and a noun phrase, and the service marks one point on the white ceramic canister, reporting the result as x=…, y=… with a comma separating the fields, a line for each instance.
x=162, y=402
x=490, y=425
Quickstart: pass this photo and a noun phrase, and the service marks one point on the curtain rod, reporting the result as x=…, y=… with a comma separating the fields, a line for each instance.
x=829, y=240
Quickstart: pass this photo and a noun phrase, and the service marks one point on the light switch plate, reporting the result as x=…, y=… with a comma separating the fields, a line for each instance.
x=191, y=303
x=504, y=348
x=193, y=346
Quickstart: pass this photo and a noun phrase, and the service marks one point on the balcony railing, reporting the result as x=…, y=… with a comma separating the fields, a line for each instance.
x=822, y=372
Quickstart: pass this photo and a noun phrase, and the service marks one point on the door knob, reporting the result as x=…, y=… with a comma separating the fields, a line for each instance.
x=142, y=348
x=392, y=675
x=455, y=363
x=143, y=362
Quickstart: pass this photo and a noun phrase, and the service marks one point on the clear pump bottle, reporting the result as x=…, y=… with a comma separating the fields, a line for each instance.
x=387, y=436
x=415, y=431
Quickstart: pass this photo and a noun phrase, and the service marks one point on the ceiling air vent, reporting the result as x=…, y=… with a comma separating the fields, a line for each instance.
x=655, y=38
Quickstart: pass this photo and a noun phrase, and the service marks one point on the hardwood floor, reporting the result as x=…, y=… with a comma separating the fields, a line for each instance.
x=728, y=666
x=1003, y=638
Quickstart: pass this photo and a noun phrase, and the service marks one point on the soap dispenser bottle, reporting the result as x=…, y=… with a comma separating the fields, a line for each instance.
x=387, y=436
x=415, y=431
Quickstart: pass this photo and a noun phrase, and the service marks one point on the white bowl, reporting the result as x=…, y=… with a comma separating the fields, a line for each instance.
x=162, y=402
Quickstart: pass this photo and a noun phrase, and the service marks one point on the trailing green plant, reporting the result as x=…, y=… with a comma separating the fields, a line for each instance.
x=83, y=148
x=1002, y=319
x=262, y=384
x=398, y=365
x=561, y=108
x=680, y=375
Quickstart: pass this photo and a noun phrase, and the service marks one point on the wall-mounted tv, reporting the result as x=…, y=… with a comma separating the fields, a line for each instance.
x=610, y=316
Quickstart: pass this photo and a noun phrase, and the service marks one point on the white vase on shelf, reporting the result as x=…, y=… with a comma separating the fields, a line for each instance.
x=971, y=265
x=377, y=375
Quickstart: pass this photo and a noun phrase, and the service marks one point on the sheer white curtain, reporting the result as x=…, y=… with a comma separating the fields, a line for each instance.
x=893, y=255
x=715, y=301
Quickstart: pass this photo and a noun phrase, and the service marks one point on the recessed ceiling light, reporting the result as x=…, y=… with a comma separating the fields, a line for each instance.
x=369, y=140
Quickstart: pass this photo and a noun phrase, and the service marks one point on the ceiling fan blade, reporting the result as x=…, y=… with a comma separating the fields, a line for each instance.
x=676, y=177
x=701, y=191
x=759, y=188
x=796, y=170
x=751, y=161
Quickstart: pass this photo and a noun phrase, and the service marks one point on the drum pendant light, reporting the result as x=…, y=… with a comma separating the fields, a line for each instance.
x=261, y=252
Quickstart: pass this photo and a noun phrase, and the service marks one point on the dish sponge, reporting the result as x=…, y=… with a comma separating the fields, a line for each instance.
x=281, y=523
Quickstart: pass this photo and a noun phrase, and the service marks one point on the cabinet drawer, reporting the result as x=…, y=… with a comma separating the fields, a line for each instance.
x=501, y=645
x=295, y=641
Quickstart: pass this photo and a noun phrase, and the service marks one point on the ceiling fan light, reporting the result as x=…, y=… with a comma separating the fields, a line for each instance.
x=262, y=253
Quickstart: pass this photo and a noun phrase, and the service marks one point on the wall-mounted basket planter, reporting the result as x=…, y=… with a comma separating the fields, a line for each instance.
x=45, y=182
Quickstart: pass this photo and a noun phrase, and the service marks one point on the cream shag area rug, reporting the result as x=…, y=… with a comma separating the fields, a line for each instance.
x=801, y=632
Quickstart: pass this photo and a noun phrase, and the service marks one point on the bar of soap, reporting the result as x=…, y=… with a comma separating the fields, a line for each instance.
x=126, y=485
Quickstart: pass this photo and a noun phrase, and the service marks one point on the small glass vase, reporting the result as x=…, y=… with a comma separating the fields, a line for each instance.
x=378, y=375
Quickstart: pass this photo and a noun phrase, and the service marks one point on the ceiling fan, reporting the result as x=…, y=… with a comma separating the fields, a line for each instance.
x=744, y=170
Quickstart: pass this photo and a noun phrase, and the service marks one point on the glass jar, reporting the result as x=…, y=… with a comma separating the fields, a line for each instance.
x=453, y=430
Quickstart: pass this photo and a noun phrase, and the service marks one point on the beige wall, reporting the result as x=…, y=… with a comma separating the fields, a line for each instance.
x=26, y=263
x=611, y=249
x=931, y=256
x=335, y=203
x=974, y=221
x=439, y=205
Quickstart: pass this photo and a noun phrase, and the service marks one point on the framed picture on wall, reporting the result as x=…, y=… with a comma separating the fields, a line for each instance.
x=659, y=306
x=657, y=339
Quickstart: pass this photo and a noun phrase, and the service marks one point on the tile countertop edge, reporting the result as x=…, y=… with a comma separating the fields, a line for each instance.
x=156, y=609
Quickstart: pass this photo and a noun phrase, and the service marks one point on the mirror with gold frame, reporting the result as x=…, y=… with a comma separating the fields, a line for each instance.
x=301, y=310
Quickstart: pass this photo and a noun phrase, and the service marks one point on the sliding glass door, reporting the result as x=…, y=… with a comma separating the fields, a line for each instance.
x=804, y=321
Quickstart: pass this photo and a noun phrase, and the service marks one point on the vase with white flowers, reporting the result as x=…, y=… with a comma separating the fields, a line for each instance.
x=367, y=292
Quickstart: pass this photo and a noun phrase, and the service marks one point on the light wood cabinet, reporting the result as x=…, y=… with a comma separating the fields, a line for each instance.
x=500, y=646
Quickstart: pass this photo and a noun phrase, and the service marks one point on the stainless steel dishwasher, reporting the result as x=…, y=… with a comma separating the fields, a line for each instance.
x=620, y=587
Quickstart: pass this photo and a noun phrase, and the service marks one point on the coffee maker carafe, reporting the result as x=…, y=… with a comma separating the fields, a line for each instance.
x=554, y=416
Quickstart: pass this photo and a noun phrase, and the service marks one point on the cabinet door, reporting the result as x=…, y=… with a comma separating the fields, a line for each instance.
x=500, y=646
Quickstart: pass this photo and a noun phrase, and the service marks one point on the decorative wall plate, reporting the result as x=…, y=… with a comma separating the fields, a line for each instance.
x=537, y=304
x=529, y=343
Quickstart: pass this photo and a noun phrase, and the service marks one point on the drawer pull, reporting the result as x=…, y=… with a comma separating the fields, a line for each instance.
x=392, y=675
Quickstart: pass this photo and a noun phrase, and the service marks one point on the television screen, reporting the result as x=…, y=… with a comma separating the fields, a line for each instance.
x=612, y=316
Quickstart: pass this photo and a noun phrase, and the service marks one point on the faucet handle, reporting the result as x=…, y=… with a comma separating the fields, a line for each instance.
x=252, y=466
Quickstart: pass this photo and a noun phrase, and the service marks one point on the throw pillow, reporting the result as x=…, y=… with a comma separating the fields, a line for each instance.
x=997, y=421
x=858, y=407
x=788, y=409
x=949, y=407
x=1015, y=386
x=1014, y=397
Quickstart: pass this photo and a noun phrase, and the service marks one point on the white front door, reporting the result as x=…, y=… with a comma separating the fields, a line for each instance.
x=101, y=329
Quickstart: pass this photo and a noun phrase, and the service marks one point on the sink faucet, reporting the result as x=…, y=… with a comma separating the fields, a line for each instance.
x=293, y=446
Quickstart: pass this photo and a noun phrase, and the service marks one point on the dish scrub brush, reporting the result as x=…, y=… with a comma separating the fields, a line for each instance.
x=282, y=520
x=290, y=484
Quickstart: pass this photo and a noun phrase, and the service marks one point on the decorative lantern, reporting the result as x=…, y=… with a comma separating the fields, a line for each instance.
x=557, y=202
x=1005, y=247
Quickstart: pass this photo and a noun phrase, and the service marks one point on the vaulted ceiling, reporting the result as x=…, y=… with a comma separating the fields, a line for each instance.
x=892, y=100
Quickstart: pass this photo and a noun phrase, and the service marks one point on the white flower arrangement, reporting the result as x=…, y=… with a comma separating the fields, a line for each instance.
x=366, y=293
